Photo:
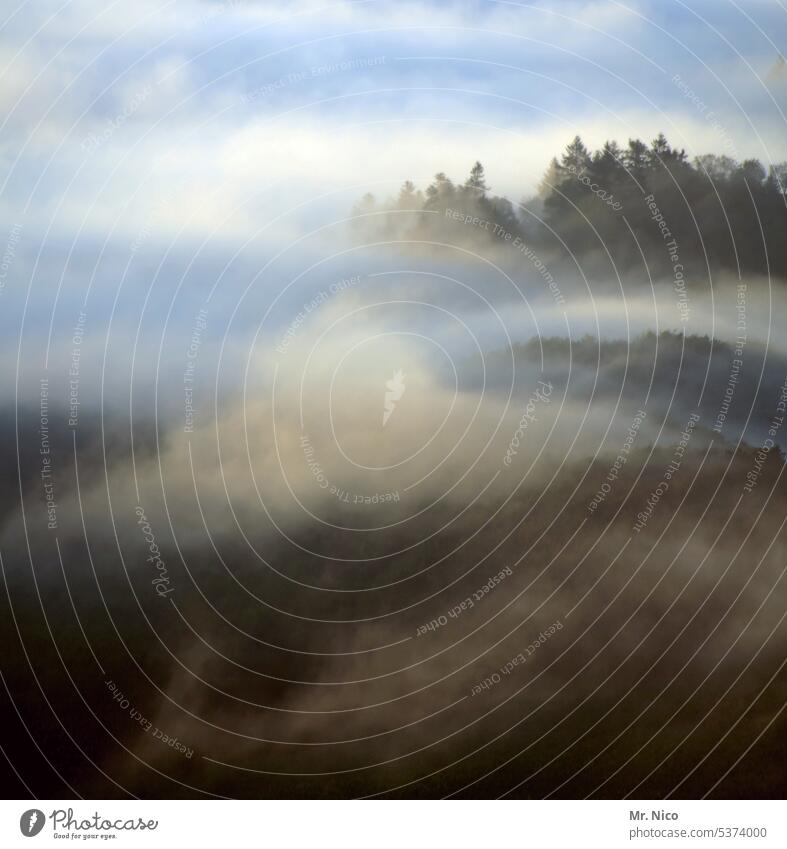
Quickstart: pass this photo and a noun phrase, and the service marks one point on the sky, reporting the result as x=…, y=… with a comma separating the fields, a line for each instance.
x=153, y=149
x=106, y=103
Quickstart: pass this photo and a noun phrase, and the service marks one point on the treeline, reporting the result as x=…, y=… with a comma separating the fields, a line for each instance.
x=624, y=203
x=441, y=211
x=714, y=211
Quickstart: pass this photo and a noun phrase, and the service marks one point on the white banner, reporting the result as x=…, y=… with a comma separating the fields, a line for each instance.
x=397, y=824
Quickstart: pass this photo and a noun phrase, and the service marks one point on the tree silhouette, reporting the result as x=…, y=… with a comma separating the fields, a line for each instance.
x=476, y=181
x=717, y=212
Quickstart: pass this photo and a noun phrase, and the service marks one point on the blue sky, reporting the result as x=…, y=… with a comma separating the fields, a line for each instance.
x=334, y=93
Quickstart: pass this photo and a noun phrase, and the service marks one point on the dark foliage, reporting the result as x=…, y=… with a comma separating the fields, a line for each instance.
x=632, y=204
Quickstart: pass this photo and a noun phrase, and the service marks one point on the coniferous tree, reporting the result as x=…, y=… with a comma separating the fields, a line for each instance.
x=441, y=193
x=576, y=156
x=676, y=216
x=476, y=181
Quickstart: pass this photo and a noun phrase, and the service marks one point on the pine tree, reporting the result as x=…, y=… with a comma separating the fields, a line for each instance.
x=636, y=158
x=661, y=154
x=576, y=157
x=476, y=181
x=440, y=193
x=606, y=165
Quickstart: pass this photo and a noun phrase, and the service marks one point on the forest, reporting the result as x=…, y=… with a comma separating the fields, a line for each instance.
x=629, y=204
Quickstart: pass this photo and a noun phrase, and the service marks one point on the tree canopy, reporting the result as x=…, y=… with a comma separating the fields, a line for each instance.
x=621, y=202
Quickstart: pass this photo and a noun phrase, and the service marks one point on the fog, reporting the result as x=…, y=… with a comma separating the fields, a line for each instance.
x=373, y=423
x=460, y=598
